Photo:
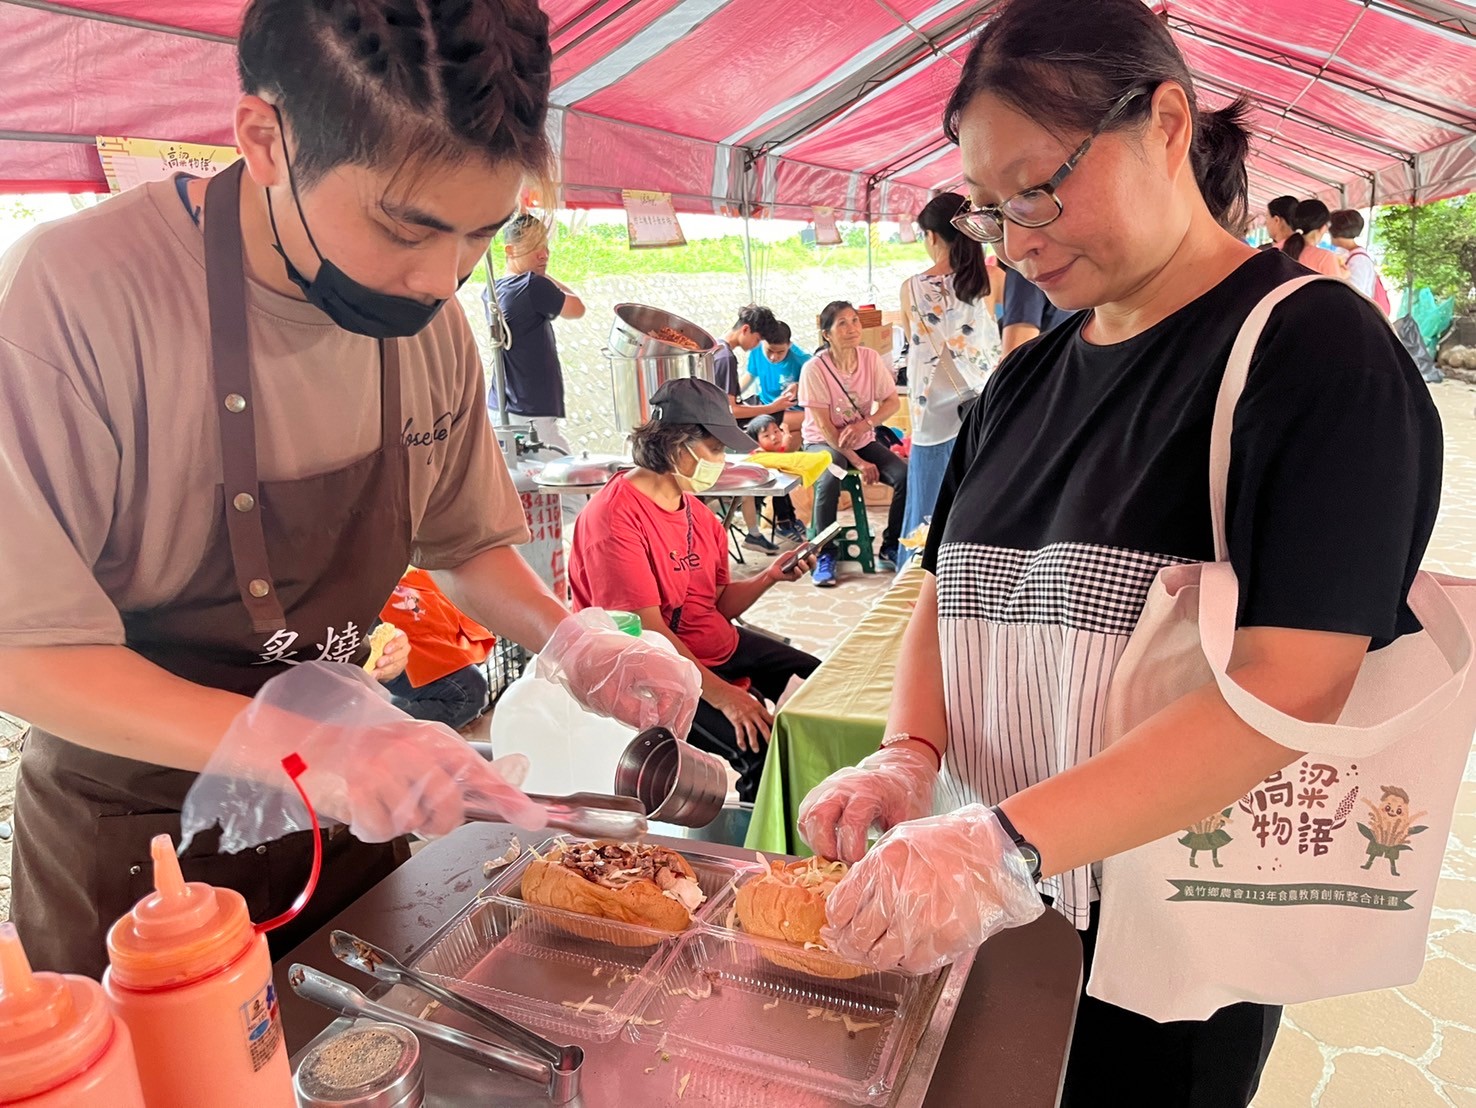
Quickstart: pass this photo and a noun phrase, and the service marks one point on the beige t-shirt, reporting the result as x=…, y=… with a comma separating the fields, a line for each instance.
x=109, y=451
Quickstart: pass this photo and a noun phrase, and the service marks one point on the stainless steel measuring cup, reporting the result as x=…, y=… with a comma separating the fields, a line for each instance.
x=676, y=782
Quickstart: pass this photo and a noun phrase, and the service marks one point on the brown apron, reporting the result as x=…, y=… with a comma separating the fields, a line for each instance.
x=294, y=571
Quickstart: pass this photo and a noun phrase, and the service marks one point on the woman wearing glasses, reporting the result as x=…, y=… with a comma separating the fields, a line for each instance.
x=1081, y=473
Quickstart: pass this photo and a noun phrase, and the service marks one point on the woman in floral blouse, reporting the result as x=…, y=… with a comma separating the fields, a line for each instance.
x=952, y=344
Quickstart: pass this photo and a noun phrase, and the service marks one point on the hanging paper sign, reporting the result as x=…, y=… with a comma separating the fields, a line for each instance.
x=129, y=161
x=826, y=232
x=651, y=219
x=908, y=230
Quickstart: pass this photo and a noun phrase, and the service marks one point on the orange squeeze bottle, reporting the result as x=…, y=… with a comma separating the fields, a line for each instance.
x=192, y=979
x=61, y=1046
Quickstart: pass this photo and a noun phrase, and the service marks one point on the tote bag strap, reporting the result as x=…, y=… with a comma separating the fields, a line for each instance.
x=1237, y=369
x=1219, y=592
x=1219, y=596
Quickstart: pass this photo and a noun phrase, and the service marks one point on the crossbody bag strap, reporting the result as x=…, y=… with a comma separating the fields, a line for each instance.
x=834, y=376
x=961, y=381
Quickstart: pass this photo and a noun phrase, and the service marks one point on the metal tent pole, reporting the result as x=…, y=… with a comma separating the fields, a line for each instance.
x=1414, y=231
x=748, y=254
x=1373, y=205
x=748, y=163
x=870, y=278
x=120, y=20
x=498, y=327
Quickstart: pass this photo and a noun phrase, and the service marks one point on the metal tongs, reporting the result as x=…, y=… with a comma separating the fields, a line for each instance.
x=535, y=1058
x=588, y=815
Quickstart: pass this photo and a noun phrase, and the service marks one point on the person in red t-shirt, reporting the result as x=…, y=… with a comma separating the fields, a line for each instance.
x=645, y=544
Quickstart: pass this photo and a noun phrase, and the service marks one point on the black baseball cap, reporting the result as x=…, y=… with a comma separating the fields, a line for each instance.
x=692, y=400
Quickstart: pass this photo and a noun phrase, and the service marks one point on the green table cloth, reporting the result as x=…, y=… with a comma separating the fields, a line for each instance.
x=836, y=719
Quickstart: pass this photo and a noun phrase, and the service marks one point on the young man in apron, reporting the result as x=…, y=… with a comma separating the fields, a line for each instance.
x=231, y=413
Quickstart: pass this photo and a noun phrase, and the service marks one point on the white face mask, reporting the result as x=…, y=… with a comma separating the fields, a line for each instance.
x=704, y=476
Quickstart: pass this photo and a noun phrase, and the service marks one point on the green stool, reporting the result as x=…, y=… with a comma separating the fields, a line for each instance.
x=853, y=544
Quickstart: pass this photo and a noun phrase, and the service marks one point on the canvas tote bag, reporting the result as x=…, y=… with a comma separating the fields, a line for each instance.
x=1320, y=880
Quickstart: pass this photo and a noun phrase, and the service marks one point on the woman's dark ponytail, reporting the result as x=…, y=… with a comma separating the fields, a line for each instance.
x=965, y=256
x=1294, y=245
x=1221, y=144
x=1311, y=215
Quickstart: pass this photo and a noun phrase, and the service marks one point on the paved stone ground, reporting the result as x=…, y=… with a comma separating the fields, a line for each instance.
x=1402, y=1048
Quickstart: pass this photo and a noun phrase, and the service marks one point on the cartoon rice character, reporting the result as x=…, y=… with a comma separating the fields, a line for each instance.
x=1208, y=834
x=1388, y=829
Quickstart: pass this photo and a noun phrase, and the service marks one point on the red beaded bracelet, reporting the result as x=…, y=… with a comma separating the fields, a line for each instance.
x=903, y=736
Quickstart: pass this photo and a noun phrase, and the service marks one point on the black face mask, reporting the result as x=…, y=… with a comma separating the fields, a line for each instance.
x=352, y=306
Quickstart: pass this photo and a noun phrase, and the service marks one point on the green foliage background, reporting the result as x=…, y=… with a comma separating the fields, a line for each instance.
x=1426, y=243
x=602, y=251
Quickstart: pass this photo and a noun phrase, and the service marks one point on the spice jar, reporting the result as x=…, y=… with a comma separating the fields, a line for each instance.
x=369, y=1065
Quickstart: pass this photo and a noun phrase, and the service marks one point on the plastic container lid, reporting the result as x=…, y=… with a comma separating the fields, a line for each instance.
x=52, y=1025
x=179, y=933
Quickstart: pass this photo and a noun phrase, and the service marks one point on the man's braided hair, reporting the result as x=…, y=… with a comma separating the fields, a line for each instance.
x=384, y=82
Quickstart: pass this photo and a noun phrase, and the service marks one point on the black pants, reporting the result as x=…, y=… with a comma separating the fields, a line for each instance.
x=891, y=469
x=1120, y=1057
x=783, y=509
x=768, y=664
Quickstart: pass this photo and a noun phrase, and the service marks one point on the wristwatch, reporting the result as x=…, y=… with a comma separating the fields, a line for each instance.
x=1027, y=849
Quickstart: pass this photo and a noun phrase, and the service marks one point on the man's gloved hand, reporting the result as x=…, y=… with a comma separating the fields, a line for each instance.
x=614, y=674
x=369, y=765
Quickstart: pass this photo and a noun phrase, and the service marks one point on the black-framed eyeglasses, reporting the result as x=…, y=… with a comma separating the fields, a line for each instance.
x=1038, y=205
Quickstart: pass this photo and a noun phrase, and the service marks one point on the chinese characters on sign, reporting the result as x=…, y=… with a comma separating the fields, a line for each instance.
x=651, y=219
x=128, y=161
x=826, y=232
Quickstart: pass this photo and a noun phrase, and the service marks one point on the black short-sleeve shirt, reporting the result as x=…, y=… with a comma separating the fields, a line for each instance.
x=1335, y=456
x=725, y=368
x=535, y=379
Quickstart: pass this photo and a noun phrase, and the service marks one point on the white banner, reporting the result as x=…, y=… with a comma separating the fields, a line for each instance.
x=129, y=161
x=651, y=219
x=826, y=232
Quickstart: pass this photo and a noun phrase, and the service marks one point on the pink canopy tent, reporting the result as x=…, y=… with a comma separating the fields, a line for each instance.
x=773, y=106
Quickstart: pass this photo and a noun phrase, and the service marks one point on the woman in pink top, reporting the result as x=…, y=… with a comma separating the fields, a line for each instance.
x=847, y=393
x=1310, y=220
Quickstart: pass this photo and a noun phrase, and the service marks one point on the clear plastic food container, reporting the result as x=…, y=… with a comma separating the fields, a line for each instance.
x=814, y=1019
x=558, y=970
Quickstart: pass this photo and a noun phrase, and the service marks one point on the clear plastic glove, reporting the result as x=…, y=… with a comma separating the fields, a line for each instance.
x=614, y=674
x=889, y=787
x=369, y=765
x=929, y=892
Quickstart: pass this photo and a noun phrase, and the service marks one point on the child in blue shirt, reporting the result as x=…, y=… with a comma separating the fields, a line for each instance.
x=776, y=364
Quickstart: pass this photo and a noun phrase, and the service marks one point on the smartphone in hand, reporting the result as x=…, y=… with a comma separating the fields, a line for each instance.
x=818, y=543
